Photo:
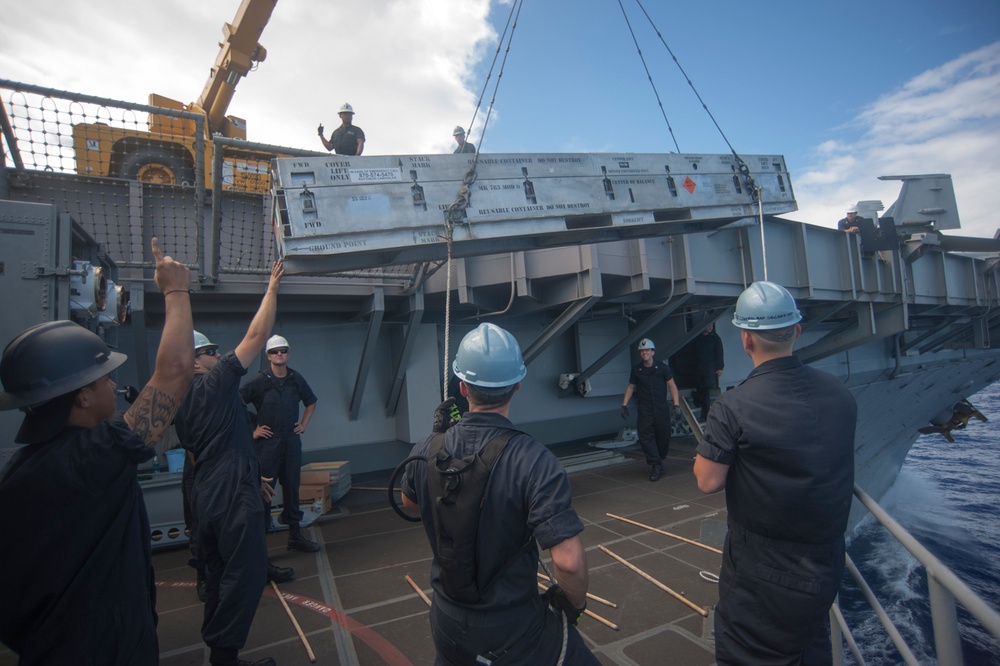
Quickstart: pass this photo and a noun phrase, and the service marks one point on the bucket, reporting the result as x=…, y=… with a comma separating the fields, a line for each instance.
x=175, y=460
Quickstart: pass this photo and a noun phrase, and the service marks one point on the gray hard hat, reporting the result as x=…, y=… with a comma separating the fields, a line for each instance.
x=764, y=306
x=646, y=343
x=458, y=131
x=201, y=341
x=490, y=357
x=52, y=359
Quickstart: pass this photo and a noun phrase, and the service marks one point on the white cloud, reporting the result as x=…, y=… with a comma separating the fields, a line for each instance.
x=946, y=120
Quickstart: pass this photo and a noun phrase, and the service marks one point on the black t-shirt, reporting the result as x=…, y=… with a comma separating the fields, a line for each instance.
x=345, y=139
x=651, y=386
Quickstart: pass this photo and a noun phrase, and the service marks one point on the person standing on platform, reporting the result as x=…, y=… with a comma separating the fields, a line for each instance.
x=348, y=139
x=275, y=394
x=782, y=445
x=850, y=222
x=462, y=146
x=227, y=490
x=79, y=583
x=651, y=381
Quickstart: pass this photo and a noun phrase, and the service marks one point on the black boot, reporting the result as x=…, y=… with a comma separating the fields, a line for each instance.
x=656, y=473
x=266, y=661
x=298, y=542
x=279, y=574
x=199, y=586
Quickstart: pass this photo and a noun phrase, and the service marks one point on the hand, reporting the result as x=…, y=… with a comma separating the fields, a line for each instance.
x=319, y=130
x=170, y=275
x=446, y=415
x=277, y=270
x=624, y=411
x=262, y=432
x=299, y=429
x=556, y=598
x=266, y=489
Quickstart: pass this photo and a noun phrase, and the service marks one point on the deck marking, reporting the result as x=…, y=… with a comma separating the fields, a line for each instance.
x=389, y=652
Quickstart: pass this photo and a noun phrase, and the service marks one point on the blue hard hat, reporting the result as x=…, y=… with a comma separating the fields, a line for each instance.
x=489, y=357
x=764, y=306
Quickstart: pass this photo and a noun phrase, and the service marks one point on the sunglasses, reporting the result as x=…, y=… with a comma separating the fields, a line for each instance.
x=282, y=350
x=207, y=352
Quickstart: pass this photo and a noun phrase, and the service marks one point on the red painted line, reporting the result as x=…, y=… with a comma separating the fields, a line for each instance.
x=389, y=652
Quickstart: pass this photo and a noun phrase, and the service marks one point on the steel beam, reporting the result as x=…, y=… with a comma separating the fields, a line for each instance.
x=375, y=307
x=403, y=362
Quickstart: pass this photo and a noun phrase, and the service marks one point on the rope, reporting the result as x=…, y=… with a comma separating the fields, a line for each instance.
x=455, y=212
x=760, y=217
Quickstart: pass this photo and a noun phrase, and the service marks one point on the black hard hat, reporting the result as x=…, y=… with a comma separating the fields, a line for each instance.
x=50, y=360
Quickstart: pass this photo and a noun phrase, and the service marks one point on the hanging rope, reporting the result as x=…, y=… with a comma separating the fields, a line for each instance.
x=456, y=211
x=649, y=76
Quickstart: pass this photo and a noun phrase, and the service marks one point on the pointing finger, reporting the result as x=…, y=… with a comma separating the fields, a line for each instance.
x=157, y=252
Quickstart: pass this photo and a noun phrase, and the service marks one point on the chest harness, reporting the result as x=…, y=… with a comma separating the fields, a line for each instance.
x=457, y=487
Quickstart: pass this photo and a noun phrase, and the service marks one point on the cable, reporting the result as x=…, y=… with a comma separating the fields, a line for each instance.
x=648, y=75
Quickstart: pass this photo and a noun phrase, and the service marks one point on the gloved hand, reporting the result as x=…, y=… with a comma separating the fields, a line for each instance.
x=446, y=415
x=319, y=130
x=556, y=598
x=130, y=393
x=624, y=411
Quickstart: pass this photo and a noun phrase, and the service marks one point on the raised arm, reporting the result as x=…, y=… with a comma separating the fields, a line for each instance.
x=159, y=399
x=260, y=328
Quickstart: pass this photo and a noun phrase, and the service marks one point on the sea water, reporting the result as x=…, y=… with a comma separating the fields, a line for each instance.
x=947, y=495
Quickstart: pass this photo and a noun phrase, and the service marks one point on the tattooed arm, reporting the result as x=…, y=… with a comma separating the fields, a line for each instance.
x=158, y=401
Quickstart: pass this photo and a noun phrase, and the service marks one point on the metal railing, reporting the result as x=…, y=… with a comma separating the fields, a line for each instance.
x=945, y=589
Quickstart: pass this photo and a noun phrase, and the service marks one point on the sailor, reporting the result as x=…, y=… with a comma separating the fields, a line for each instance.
x=850, y=222
x=462, y=146
x=79, y=580
x=227, y=490
x=782, y=445
x=710, y=359
x=275, y=394
x=527, y=499
x=348, y=139
x=650, y=380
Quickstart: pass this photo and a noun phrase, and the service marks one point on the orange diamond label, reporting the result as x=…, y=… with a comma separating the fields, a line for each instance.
x=689, y=185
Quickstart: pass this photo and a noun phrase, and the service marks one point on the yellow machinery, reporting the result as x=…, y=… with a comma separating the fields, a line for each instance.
x=165, y=153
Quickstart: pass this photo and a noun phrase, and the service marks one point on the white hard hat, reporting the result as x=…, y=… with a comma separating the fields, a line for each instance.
x=852, y=209
x=276, y=341
x=646, y=343
x=346, y=108
x=458, y=131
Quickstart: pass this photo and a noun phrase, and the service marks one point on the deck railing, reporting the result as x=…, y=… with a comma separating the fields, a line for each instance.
x=945, y=589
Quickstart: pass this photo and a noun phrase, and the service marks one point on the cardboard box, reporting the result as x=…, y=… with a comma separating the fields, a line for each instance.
x=325, y=472
x=312, y=493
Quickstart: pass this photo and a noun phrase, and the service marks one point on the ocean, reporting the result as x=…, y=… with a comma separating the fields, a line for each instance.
x=948, y=497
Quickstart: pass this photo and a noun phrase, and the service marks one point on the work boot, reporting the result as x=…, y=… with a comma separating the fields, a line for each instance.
x=266, y=661
x=279, y=574
x=199, y=586
x=298, y=542
x=656, y=473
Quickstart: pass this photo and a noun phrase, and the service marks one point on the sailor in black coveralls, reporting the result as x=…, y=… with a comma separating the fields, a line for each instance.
x=226, y=497
x=782, y=445
x=528, y=498
x=650, y=380
x=79, y=583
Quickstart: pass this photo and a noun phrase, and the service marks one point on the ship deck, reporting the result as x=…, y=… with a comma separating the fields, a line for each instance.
x=354, y=605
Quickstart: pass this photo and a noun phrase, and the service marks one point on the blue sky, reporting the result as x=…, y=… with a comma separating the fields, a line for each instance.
x=846, y=91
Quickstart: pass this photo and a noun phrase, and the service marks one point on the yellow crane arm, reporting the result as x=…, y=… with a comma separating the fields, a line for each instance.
x=238, y=53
